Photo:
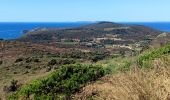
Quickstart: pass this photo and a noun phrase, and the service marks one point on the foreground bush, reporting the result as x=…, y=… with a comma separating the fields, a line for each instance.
x=144, y=59
x=137, y=84
x=61, y=83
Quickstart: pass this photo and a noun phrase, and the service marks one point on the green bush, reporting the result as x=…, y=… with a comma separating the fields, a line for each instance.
x=96, y=56
x=126, y=66
x=61, y=83
x=148, y=56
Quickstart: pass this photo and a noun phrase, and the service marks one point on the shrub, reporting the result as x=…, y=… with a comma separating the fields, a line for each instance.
x=66, y=61
x=61, y=83
x=77, y=54
x=28, y=67
x=52, y=62
x=148, y=56
x=61, y=62
x=1, y=62
x=126, y=66
x=36, y=60
x=12, y=87
x=19, y=60
x=28, y=60
x=96, y=56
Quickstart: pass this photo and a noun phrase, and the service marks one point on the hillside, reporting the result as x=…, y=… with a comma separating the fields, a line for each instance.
x=74, y=63
x=97, y=30
x=147, y=81
x=141, y=77
x=113, y=37
x=25, y=62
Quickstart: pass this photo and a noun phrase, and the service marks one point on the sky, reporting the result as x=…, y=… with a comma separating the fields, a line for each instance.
x=84, y=10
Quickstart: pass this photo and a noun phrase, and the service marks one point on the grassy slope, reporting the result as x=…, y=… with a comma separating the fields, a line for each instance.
x=135, y=84
x=130, y=82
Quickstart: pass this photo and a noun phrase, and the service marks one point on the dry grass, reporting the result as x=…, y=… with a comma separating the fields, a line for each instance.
x=153, y=84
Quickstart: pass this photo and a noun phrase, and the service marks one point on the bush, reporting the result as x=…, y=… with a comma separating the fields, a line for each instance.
x=77, y=54
x=52, y=62
x=96, y=56
x=28, y=60
x=28, y=67
x=36, y=60
x=19, y=60
x=126, y=66
x=148, y=56
x=1, y=62
x=61, y=62
x=61, y=83
x=66, y=61
x=12, y=87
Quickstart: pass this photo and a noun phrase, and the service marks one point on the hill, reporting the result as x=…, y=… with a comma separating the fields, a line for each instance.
x=74, y=63
x=97, y=30
x=130, y=80
x=141, y=77
x=113, y=37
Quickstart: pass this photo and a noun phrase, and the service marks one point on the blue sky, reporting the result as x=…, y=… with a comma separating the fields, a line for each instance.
x=84, y=10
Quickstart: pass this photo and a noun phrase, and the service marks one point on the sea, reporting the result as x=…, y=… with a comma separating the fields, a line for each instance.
x=14, y=30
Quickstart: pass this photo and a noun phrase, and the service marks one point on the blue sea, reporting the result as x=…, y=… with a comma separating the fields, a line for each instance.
x=15, y=30
x=162, y=26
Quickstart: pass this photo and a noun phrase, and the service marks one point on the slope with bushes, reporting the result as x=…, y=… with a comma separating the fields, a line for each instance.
x=59, y=84
x=150, y=83
x=143, y=60
x=125, y=80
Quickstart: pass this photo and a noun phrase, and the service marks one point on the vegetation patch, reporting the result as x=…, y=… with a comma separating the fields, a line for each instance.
x=1, y=62
x=19, y=60
x=145, y=58
x=61, y=83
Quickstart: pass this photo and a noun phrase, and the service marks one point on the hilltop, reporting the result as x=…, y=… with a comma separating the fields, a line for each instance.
x=109, y=36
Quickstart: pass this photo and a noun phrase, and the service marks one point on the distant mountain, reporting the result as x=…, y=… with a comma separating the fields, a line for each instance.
x=96, y=30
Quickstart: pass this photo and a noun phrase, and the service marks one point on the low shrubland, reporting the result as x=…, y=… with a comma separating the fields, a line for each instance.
x=61, y=83
x=134, y=83
x=144, y=60
x=126, y=79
